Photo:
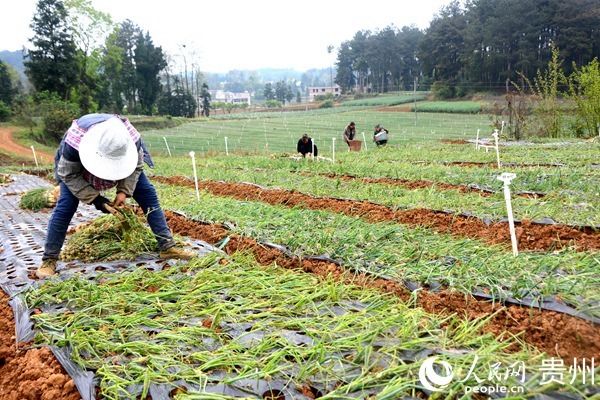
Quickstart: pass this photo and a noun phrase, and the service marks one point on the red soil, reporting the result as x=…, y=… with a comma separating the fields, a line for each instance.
x=399, y=108
x=551, y=332
x=29, y=373
x=530, y=236
x=455, y=141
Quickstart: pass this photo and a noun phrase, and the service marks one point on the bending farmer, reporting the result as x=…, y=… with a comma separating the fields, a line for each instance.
x=99, y=152
x=305, y=146
x=380, y=135
x=349, y=133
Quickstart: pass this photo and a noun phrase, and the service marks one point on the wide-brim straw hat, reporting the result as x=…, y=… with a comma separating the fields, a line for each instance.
x=107, y=150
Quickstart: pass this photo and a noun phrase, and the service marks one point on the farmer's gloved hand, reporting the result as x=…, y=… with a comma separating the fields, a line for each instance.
x=99, y=202
x=120, y=199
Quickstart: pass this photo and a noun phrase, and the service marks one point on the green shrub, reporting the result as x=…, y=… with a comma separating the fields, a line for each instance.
x=584, y=88
x=326, y=104
x=57, y=116
x=324, y=97
x=24, y=110
x=273, y=104
x=4, y=112
x=461, y=91
x=443, y=90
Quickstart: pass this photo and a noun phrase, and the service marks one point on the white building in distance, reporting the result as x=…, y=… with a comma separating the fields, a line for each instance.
x=322, y=91
x=230, y=97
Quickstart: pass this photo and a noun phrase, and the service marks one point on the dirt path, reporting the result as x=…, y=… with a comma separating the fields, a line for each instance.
x=8, y=144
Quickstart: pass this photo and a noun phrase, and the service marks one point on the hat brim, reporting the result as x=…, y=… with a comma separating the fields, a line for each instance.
x=102, y=167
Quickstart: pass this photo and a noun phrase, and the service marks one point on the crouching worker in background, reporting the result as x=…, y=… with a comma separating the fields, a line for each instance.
x=100, y=152
x=380, y=135
x=305, y=146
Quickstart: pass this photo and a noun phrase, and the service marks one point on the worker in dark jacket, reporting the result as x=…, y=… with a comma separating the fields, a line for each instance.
x=305, y=146
x=349, y=133
x=97, y=153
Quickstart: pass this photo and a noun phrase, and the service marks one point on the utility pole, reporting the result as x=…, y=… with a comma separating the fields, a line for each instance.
x=329, y=50
x=187, y=85
x=415, y=99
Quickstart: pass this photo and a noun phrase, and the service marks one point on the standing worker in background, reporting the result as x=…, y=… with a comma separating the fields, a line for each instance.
x=305, y=146
x=380, y=135
x=100, y=152
x=349, y=133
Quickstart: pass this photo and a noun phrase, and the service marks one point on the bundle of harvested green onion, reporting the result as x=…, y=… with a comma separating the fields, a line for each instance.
x=4, y=179
x=110, y=237
x=37, y=199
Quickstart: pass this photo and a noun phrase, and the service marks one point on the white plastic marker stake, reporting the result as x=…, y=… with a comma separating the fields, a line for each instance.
x=312, y=151
x=167, y=144
x=193, y=155
x=495, y=135
x=333, y=150
x=226, y=147
x=507, y=177
x=365, y=140
x=34, y=156
x=477, y=141
x=502, y=128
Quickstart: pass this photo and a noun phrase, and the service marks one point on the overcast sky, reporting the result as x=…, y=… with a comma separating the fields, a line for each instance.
x=243, y=34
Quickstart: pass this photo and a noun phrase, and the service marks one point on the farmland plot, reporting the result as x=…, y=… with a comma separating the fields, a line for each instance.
x=343, y=280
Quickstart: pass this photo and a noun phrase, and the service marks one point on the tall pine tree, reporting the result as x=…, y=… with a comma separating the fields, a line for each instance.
x=149, y=61
x=52, y=64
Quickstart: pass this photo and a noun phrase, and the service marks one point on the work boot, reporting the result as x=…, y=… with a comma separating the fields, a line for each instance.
x=48, y=268
x=177, y=253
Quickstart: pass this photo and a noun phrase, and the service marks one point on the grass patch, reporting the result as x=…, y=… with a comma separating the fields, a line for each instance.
x=145, y=123
x=279, y=132
x=455, y=107
x=384, y=100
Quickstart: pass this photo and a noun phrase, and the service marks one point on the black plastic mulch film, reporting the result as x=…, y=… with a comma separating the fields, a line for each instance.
x=22, y=236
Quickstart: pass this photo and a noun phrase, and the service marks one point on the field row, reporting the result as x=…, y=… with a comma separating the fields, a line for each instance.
x=218, y=328
x=280, y=133
x=400, y=252
x=572, y=202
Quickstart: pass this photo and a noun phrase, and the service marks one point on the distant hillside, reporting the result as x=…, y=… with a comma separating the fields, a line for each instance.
x=14, y=59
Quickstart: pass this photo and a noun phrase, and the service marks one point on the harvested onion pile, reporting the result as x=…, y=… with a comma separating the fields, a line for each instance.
x=4, y=179
x=38, y=199
x=110, y=237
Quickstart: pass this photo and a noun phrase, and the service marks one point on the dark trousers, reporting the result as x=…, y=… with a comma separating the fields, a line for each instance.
x=144, y=194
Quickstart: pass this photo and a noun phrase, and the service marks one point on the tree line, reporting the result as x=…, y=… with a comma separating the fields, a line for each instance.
x=481, y=45
x=79, y=62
